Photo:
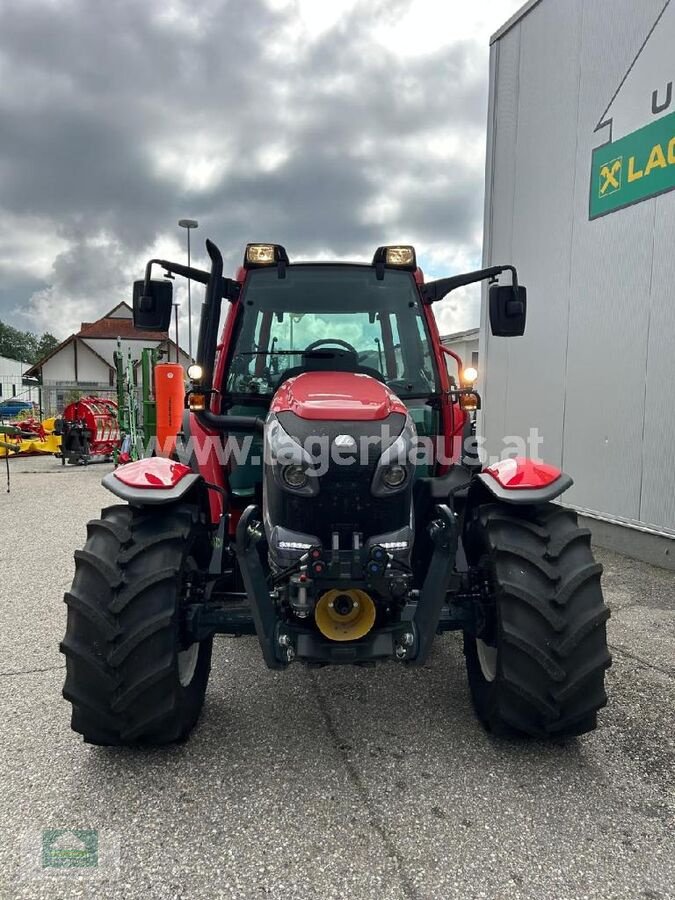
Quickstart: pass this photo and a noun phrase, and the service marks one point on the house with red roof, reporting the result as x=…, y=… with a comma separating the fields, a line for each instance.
x=84, y=361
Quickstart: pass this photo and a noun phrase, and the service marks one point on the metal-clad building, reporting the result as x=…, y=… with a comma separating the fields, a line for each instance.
x=11, y=381
x=464, y=344
x=579, y=195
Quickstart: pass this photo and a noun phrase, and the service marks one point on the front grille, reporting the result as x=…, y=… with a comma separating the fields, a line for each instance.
x=346, y=506
x=345, y=503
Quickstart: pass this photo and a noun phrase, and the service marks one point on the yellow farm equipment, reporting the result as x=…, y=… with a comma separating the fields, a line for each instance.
x=29, y=437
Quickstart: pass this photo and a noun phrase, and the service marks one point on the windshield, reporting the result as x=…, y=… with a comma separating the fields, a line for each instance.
x=341, y=317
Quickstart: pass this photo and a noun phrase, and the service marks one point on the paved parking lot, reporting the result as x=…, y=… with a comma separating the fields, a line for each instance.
x=339, y=783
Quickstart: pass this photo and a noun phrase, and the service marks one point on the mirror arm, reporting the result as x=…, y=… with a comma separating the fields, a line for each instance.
x=514, y=276
x=230, y=289
x=436, y=290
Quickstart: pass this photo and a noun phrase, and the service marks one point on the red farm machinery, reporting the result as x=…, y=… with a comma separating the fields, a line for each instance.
x=324, y=495
x=89, y=431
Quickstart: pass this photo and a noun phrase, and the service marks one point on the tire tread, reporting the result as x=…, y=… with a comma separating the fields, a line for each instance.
x=551, y=621
x=122, y=630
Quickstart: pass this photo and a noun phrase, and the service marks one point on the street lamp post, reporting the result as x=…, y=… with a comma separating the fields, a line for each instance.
x=188, y=224
x=175, y=308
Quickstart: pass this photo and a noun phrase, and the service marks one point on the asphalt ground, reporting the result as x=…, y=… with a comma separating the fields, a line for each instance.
x=339, y=783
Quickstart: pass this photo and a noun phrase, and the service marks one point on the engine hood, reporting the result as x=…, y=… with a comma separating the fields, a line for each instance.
x=337, y=396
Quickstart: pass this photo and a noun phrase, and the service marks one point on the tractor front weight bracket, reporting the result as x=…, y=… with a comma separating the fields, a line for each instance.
x=249, y=534
x=444, y=533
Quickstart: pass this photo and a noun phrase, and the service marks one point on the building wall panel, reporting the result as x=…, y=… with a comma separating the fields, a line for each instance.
x=591, y=371
x=657, y=497
x=542, y=218
x=505, y=61
x=610, y=280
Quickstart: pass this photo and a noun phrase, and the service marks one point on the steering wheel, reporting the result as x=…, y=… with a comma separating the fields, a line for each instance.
x=363, y=370
x=336, y=341
x=297, y=370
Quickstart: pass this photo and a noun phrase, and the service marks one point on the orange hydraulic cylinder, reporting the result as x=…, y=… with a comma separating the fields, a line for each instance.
x=170, y=399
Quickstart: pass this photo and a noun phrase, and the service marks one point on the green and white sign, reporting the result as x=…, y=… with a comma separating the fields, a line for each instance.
x=638, y=161
x=636, y=167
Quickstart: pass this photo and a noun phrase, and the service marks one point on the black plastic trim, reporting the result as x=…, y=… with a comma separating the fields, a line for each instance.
x=229, y=423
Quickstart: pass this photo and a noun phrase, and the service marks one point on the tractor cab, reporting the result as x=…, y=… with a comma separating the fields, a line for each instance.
x=328, y=318
x=331, y=318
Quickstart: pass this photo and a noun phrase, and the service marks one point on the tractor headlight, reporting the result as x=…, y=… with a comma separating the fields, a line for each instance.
x=294, y=476
x=195, y=372
x=393, y=476
x=291, y=464
x=393, y=467
x=469, y=375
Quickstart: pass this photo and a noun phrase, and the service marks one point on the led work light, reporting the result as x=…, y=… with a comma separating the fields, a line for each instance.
x=400, y=255
x=264, y=255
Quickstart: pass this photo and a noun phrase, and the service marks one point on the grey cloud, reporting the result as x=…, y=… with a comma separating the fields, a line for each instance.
x=89, y=93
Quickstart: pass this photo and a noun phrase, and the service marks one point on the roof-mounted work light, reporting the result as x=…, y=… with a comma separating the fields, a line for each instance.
x=264, y=255
x=400, y=255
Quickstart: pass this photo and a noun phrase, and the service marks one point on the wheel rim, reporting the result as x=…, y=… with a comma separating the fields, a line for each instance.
x=187, y=663
x=487, y=657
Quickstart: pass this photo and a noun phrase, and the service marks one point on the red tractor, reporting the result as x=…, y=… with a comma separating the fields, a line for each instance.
x=325, y=496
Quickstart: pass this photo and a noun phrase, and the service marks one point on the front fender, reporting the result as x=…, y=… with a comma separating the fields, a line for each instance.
x=521, y=481
x=151, y=482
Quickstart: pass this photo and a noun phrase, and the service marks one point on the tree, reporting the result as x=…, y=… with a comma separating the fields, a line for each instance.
x=45, y=345
x=17, y=344
x=24, y=345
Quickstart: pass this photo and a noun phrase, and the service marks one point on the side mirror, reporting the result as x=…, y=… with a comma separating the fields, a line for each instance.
x=152, y=309
x=508, y=308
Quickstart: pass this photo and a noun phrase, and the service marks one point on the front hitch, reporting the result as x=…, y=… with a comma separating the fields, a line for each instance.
x=408, y=640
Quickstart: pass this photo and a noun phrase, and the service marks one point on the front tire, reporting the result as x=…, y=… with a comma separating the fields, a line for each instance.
x=130, y=677
x=536, y=665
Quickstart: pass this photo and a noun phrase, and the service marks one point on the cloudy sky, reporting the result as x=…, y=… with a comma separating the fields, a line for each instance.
x=330, y=126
